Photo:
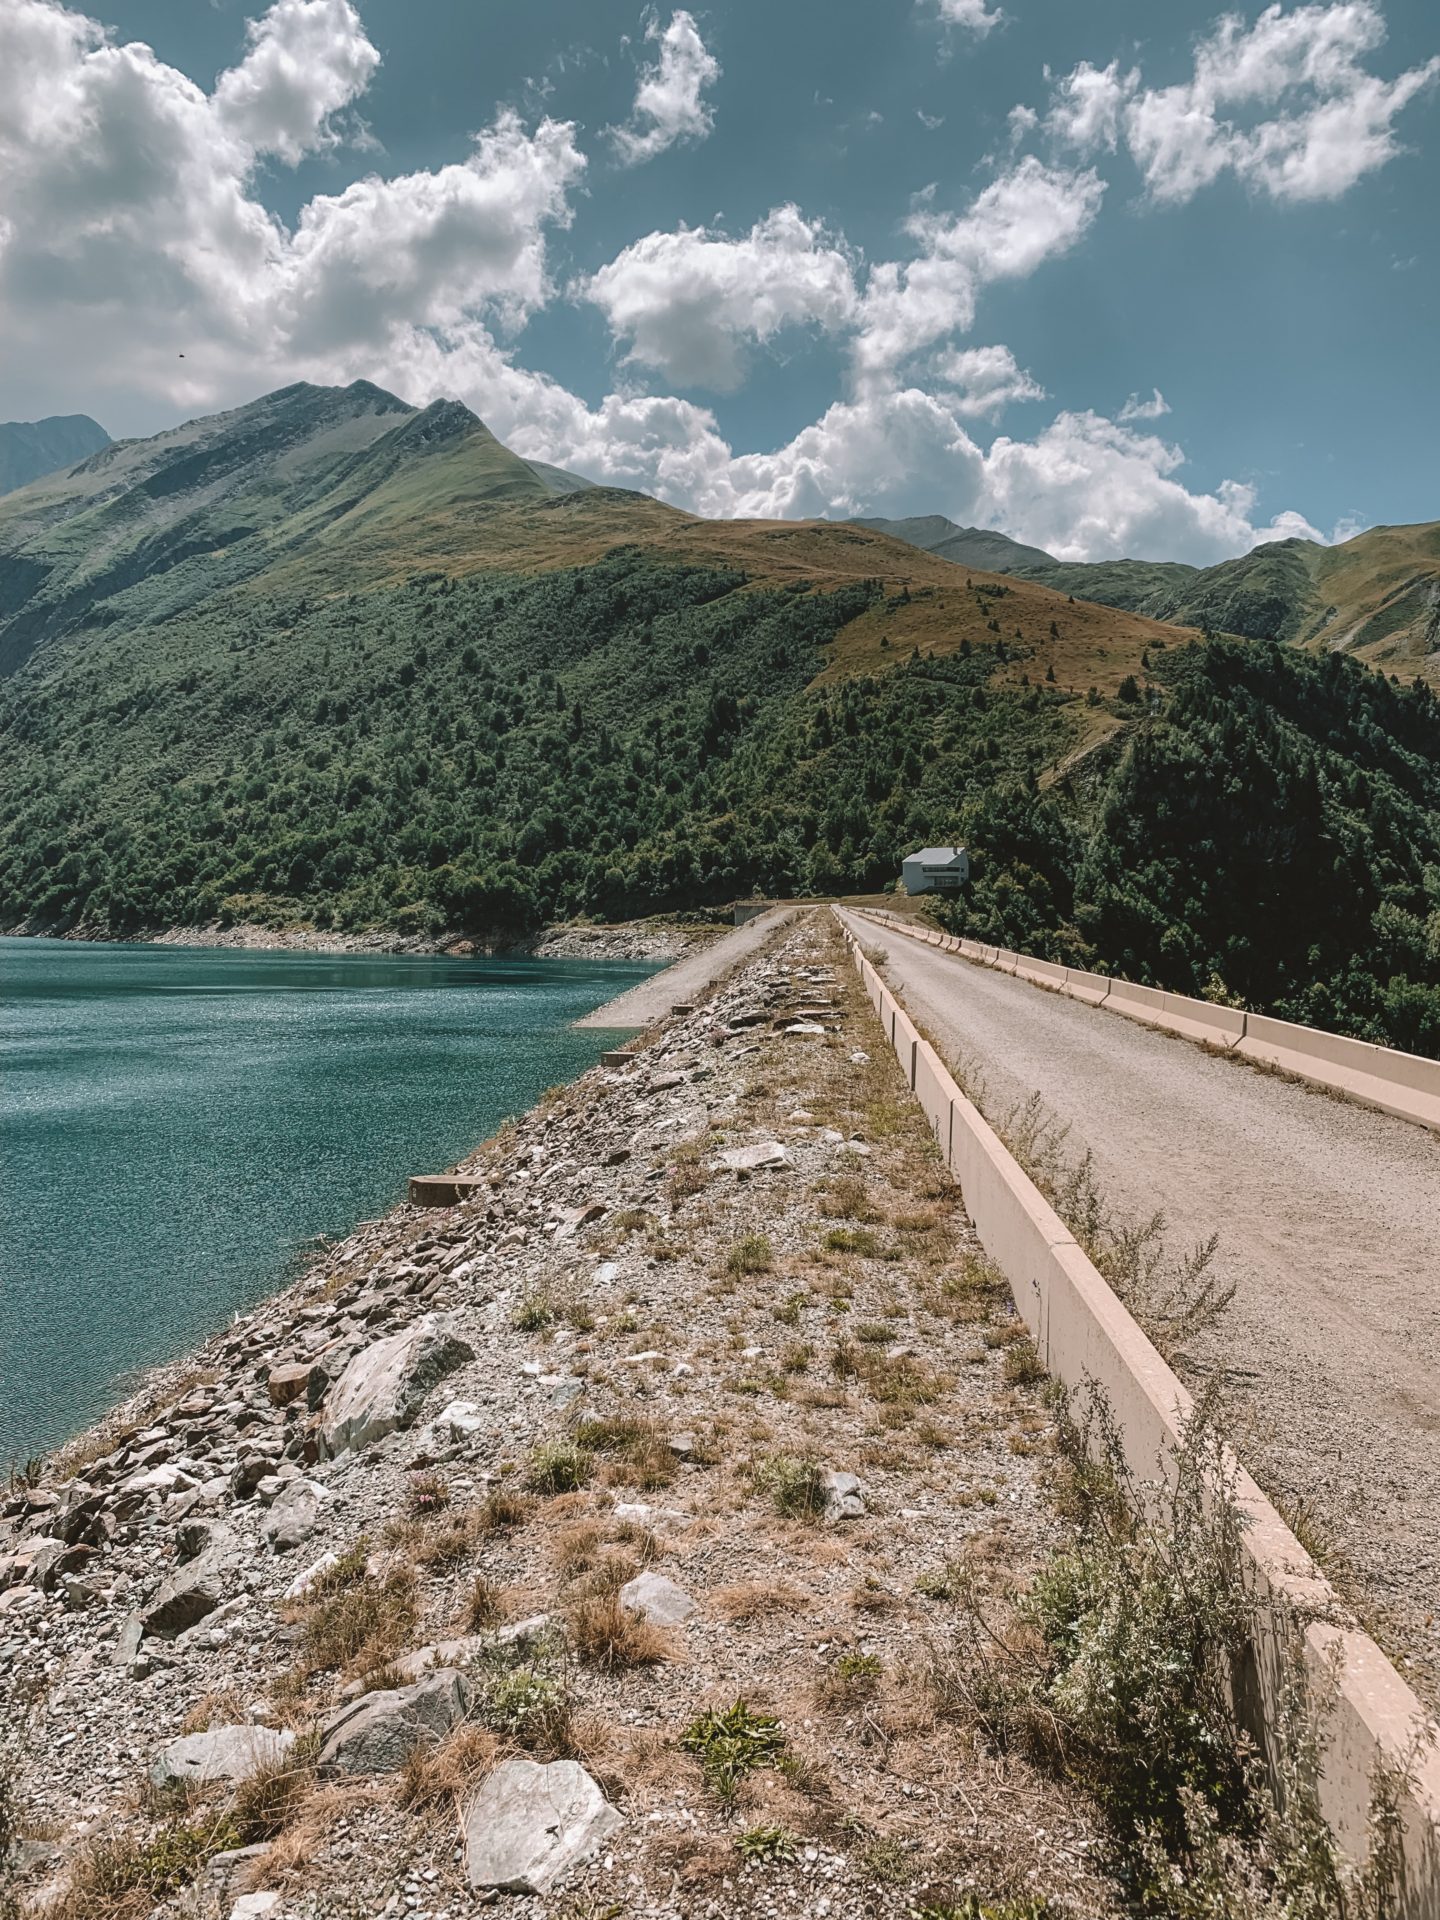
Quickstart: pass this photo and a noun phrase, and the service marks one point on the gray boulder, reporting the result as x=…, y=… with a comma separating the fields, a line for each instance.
x=843, y=1498
x=224, y=1753
x=184, y=1599
x=657, y=1600
x=378, y=1732
x=295, y=1513
x=385, y=1385
x=530, y=1824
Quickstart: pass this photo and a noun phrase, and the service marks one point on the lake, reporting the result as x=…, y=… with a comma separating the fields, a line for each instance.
x=177, y=1122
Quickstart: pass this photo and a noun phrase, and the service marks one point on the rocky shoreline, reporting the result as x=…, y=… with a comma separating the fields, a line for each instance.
x=657, y=938
x=589, y=1544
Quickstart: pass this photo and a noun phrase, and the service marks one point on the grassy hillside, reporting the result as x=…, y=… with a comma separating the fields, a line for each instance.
x=1377, y=595
x=336, y=661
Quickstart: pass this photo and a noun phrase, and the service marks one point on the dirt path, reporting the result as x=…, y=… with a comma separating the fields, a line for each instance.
x=652, y=999
x=1329, y=1217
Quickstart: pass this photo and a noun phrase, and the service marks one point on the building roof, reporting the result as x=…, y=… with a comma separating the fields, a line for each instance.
x=930, y=855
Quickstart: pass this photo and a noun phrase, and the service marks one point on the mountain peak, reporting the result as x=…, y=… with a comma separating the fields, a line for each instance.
x=30, y=449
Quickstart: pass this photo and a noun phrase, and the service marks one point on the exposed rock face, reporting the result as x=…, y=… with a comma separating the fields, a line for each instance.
x=223, y=1753
x=529, y=1824
x=385, y=1385
x=378, y=1732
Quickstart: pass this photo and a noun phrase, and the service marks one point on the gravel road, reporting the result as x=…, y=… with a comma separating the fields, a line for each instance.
x=1329, y=1220
x=652, y=999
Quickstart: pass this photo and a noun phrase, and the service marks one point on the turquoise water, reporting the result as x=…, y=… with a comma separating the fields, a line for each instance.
x=176, y=1122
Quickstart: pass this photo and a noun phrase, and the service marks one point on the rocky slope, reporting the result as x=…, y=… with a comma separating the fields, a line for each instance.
x=598, y=1536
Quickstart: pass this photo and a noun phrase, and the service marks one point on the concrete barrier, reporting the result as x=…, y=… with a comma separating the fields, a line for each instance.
x=1040, y=973
x=1370, y=1718
x=1398, y=1083
x=1405, y=1085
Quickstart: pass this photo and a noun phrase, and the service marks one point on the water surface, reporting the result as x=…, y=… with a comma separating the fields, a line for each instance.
x=175, y=1124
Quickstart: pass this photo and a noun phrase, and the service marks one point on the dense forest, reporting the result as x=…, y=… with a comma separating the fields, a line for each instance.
x=482, y=755
x=1269, y=833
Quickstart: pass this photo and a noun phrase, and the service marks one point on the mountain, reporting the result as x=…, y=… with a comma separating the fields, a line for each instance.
x=1377, y=595
x=558, y=480
x=29, y=449
x=966, y=546
x=332, y=660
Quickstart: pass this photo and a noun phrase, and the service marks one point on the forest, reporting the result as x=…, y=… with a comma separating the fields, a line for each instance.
x=483, y=755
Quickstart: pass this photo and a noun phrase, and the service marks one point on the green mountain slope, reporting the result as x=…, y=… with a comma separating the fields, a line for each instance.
x=966, y=546
x=333, y=660
x=29, y=449
x=1377, y=595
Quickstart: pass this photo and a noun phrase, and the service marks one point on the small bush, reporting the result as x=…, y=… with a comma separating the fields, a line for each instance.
x=501, y=1512
x=559, y=1467
x=484, y=1606
x=857, y=1240
x=757, y=1845
x=361, y=1625
x=731, y=1742
x=528, y=1701
x=795, y=1485
x=610, y=1637
x=428, y=1493
x=535, y=1312
x=1022, y=1366
x=753, y=1254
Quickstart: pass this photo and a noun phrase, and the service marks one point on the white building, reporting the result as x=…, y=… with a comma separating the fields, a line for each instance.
x=935, y=870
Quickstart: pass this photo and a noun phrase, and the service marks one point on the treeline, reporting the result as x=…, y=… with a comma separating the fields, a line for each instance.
x=484, y=755
x=1269, y=835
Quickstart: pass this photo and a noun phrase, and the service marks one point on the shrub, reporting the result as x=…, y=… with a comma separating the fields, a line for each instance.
x=610, y=1636
x=559, y=1467
x=753, y=1254
x=731, y=1742
x=795, y=1485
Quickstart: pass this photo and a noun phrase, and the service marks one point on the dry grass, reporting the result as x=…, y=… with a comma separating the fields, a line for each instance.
x=223, y=1708
x=756, y=1599
x=362, y=1625
x=611, y=1637
x=445, y=1774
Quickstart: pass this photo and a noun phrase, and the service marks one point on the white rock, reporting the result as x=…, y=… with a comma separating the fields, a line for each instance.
x=385, y=1385
x=295, y=1513
x=530, y=1824
x=766, y=1153
x=657, y=1600
x=224, y=1753
x=303, y=1582
x=464, y=1419
x=254, y=1906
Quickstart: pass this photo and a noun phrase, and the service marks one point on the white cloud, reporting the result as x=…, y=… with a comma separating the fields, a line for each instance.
x=307, y=59
x=1287, y=105
x=689, y=302
x=1024, y=217
x=1155, y=408
x=669, y=103
x=985, y=379
x=1089, y=489
x=131, y=233
x=972, y=15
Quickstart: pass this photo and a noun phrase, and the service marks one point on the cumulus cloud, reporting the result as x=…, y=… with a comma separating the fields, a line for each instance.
x=1087, y=488
x=688, y=303
x=130, y=216
x=984, y=379
x=669, y=101
x=1155, y=408
x=307, y=59
x=1287, y=105
x=1025, y=216
x=131, y=231
x=972, y=15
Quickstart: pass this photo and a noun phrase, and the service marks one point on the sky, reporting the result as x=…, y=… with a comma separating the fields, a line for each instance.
x=1115, y=278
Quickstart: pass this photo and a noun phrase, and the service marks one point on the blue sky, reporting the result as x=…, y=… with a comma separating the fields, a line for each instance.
x=1115, y=278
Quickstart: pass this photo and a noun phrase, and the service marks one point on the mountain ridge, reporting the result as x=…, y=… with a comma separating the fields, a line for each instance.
x=30, y=449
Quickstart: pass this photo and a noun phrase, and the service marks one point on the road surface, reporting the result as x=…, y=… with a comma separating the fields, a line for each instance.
x=1329, y=1220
